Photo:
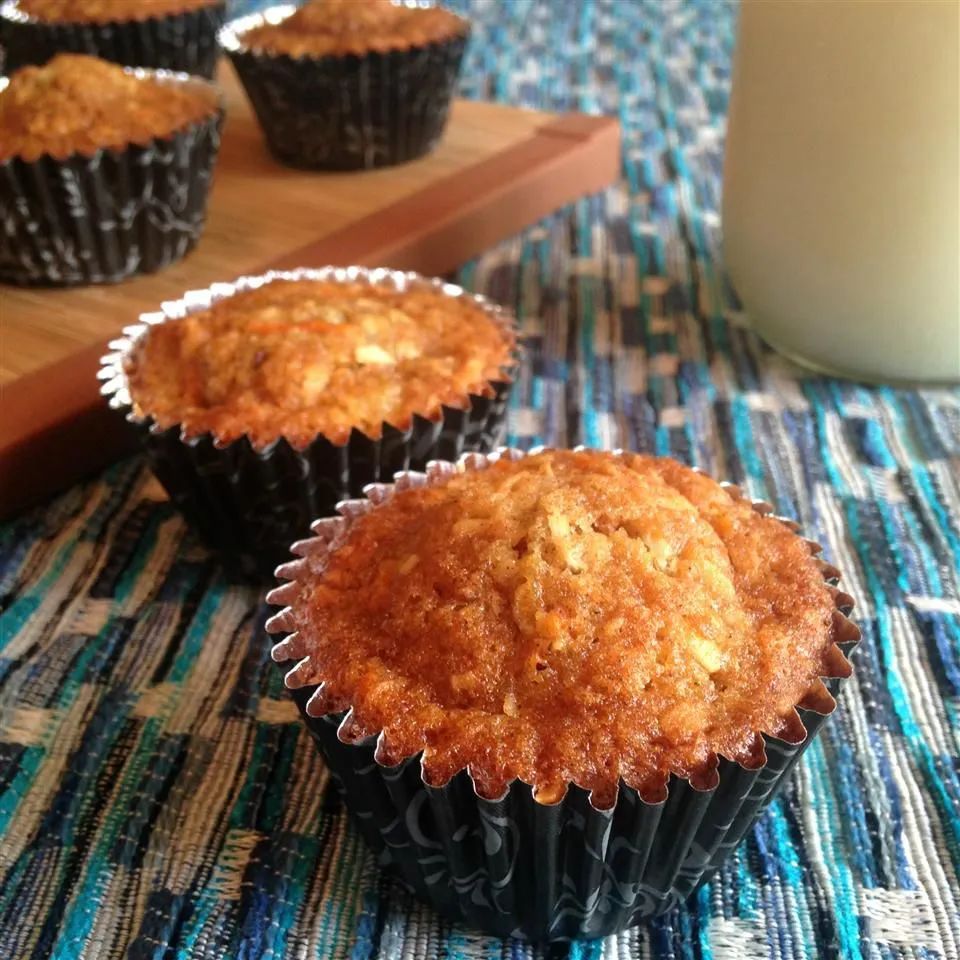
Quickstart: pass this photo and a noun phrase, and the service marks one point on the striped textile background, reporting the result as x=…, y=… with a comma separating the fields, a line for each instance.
x=158, y=799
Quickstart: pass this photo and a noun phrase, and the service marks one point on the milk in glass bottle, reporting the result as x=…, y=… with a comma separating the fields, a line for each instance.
x=841, y=214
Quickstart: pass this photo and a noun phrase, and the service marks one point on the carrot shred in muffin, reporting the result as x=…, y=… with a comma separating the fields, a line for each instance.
x=568, y=617
x=80, y=104
x=302, y=358
x=106, y=11
x=337, y=27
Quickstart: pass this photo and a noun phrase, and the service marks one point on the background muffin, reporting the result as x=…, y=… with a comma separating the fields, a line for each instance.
x=583, y=669
x=106, y=170
x=267, y=401
x=340, y=27
x=176, y=35
x=349, y=84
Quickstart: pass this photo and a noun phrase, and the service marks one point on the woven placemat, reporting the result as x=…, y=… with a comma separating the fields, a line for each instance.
x=159, y=800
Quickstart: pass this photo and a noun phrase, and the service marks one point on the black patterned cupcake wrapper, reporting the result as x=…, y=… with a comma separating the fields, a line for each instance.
x=517, y=867
x=249, y=504
x=347, y=112
x=184, y=42
x=111, y=215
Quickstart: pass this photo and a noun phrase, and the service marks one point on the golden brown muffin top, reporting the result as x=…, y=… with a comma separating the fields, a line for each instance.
x=300, y=358
x=567, y=617
x=106, y=11
x=80, y=104
x=322, y=27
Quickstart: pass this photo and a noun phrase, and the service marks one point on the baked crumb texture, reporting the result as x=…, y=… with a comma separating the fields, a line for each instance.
x=106, y=11
x=567, y=617
x=339, y=27
x=302, y=358
x=76, y=104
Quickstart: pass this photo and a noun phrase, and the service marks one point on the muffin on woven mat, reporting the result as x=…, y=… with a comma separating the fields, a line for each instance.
x=557, y=689
x=349, y=84
x=104, y=170
x=176, y=35
x=265, y=402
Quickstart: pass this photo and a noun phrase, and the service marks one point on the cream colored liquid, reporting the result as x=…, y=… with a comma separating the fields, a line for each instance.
x=841, y=210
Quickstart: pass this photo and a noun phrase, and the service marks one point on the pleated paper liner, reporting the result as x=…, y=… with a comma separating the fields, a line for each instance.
x=184, y=42
x=112, y=214
x=346, y=112
x=250, y=504
x=514, y=866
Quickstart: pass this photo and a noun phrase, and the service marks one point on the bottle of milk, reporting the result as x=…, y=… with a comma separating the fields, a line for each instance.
x=841, y=212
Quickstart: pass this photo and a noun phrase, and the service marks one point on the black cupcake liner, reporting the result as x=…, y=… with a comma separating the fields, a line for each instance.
x=249, y=504
x=183, y=42
x=347, y=112
x=110, y=215
x=517, y=867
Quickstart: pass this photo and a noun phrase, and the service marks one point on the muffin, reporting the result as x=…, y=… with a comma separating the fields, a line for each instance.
x=349, y=84
x=557, y=689
x=265, y=402
x=178, y=35
x=105, y=170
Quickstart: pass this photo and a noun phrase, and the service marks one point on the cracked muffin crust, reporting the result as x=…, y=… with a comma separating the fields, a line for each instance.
x=567, y=617
x=106, y=11
x=302, y=358
x=339, y=27
x=81, y=104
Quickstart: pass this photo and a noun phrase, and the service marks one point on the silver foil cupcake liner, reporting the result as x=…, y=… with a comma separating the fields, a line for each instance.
x=249, y=504
x=184, y=42
x=514, y=866
x=115, y=213
x=346, y=112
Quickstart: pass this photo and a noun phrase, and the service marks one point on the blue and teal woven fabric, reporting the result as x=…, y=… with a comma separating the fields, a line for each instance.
x=158, y=798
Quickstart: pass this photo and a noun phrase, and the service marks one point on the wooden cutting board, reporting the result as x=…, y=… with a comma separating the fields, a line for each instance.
x=497, y=170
